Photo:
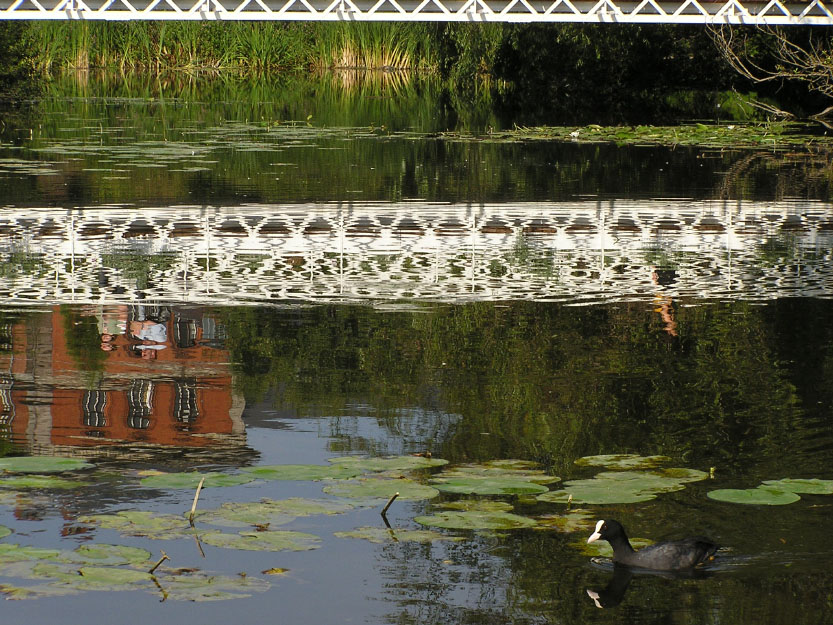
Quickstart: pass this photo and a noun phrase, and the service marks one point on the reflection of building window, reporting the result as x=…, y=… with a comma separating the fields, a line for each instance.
x=6, y=403
x=93, y=409
x=185, y=408
x=139, y=404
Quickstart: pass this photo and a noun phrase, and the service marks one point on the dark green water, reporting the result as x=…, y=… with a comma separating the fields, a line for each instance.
x=327, y=287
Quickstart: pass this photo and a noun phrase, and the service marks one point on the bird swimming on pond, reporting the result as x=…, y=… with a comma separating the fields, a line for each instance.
x=675, y=555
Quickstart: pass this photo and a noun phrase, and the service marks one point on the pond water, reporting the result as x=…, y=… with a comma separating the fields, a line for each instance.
x=256, y=284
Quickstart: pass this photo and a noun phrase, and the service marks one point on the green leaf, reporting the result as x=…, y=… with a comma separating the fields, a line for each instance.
x=804, y=486
x=475, y=485
x=475, y=520
x=622, y=461
x=10, y=552
x=263, y=541
x=107, y=554
x=192, y=480
x=42, y=464
x=269, y=512
x=761, y=496
x=40, y=481
x=142, y=523
x=388, y=463
x=374, y=489
x=304, y=472
x=386, y=535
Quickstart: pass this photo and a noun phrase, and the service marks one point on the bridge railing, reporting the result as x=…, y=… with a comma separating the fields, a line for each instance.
x=766, y=12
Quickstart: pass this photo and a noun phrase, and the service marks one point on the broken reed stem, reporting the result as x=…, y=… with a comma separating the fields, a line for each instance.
x=194, y=505
x=387, y=505
x=161, y=560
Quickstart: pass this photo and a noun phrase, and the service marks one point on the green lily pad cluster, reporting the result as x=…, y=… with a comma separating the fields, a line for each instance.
x=273, y=540
x=774, y=492
x=387, y=463
x=381, y=535
x=42, y=464
x=269, y=511
x=622, y=461
x=142, y=523
x=498, y=477
x=476, y=520
x=191, y=480
x=372, y=490
x=609, y=487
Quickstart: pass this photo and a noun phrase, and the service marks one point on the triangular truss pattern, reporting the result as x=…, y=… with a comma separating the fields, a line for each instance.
x=757, y=12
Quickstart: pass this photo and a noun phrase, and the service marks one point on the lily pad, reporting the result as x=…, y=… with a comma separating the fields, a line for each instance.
x=577, y=520
x=475, y=520
x=384, y=535
x=40, y=481
x=270, y=512
x=622, y=461
x=804, y=486
x=388, y=463
x=761, y=496
x=263, y=541
x=517, y=470
x=10, y=552
x=198, y=586
x=192, y=480
x=483, y=505
x=373, y=489
x=102, y=578
x=142, y=523
x=4, y=531
x=609, y=487
x=303, y=472
x=476, y=485
x=111, y=555
x=42, y=464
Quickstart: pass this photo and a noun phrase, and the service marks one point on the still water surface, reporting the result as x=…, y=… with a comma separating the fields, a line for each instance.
x=312, y=289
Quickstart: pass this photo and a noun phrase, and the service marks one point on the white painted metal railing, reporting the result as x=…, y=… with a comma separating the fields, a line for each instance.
x=765, y=12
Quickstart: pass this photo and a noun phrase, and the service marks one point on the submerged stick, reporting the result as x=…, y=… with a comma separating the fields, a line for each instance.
x=161, y=560
x=387, y=505
x=194, y=505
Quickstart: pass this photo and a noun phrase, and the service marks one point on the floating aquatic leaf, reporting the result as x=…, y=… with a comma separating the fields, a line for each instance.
x=199, y=586
x=111, y=555
x=142, y=523
x=263, y=541
x=275, y=571
x=37, y=591
x=10, y=552
x=484, y=505
x=804, y=486
x=42, y=464
x=510, y=469
x=476, y=485
x=576, y=520
x=603, y=549
x=622, y=461
x=305, y=472
x=39, y=481
x=110, y=578
x=386, y=535
x=475, y=520
x=270, y=512
x=610, y=487
x=388, y=463
x=4, y=531
x=761, y=496
x=372, y=489
x=192, y=480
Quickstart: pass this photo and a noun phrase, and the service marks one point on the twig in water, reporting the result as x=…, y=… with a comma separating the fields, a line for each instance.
x=161, y=560
x=387, y=505
x=194, y=505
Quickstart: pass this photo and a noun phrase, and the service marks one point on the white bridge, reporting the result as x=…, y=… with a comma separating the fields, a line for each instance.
x=703, y=12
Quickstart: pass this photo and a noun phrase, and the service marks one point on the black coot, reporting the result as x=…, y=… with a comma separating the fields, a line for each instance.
x=674, y=555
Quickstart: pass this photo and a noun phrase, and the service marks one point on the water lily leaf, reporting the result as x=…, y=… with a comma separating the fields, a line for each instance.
x=192, y=480
x=37, y=592
x=622, y=461
x=475, y=485
x=603, y=549
x=761, y=496
x=484, y=505
x=263, y=541
x=111, y=555
x=10, y=552
x=304, y=472
x=42, y=464
x=199, y=586
x=374, y=489
x=384, y=535
x=609, y=487
x=388, y=463
x=39, y=481
x=110, y=578
x=517, y=470
x=475, y=520
x=577, y=520
x=804, y=486
x=142, y=523
x=4, y=531
x=270, y=512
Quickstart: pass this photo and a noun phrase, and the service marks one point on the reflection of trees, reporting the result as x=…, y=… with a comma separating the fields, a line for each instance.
x=546, y=381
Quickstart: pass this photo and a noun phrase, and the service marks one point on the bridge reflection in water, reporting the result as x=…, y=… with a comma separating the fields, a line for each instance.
x=583, y=251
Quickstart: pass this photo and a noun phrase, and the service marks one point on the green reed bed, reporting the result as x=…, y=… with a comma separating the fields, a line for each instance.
x=245, y=46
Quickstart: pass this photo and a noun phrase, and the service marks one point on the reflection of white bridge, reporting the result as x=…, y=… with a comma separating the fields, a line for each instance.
x=575, y=251
x=759, y=12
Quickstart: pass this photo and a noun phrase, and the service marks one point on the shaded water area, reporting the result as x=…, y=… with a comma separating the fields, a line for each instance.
x=231, y=287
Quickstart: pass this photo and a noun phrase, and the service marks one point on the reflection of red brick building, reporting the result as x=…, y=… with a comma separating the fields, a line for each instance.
x=179, y=398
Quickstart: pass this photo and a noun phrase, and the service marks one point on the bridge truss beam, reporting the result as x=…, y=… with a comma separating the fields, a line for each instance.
x=703, y=12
